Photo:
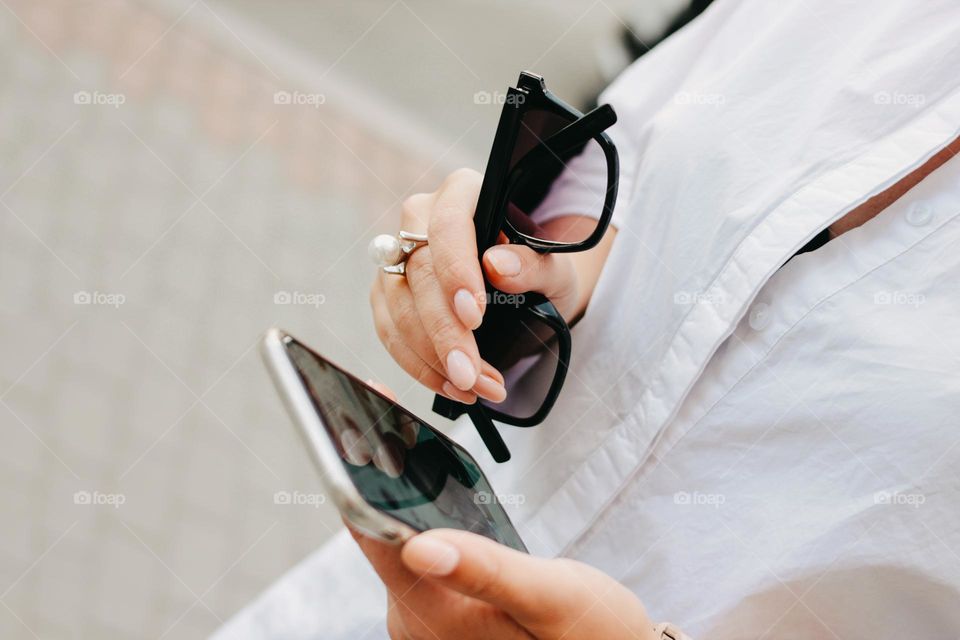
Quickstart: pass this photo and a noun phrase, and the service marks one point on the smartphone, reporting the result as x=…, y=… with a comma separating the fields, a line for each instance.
x=389, y=473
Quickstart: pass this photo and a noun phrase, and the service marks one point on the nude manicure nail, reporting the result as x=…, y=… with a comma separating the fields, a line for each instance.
x=456, y=394
x=432, y=557
x=460, y=370
x=490, y=388
x=504, y=261
x=465, y=304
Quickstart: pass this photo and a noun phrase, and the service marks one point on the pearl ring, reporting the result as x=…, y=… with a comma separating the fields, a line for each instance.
x=392, y=252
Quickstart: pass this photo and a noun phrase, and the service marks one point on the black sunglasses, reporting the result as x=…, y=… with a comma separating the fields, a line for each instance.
x=524, y=336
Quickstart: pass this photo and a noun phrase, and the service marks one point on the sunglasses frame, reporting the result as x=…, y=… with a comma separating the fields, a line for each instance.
x=490, y=219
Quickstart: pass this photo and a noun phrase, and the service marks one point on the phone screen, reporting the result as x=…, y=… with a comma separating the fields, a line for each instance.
x=399, y=464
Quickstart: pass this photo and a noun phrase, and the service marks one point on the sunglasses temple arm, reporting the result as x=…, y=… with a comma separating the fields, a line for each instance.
x=568, y=138
x=582, y=129
x=488, y=433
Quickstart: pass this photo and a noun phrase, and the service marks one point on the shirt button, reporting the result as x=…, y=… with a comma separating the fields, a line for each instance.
x=920, y=214
x=760, y=316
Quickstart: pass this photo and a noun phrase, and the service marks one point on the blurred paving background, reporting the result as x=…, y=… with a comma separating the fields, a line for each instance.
x=175, y=177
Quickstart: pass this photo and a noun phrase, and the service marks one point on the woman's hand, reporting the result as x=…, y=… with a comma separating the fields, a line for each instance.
x=425, y=320
x=454, y=584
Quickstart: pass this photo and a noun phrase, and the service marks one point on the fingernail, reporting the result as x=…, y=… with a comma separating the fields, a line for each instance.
x=429, y=556
x=408, y=433
x=458, y=395
x=465, y=304
x=385, y=461
x=490, y=389
x=355, y=447
x=504, y=261
x=460, y=370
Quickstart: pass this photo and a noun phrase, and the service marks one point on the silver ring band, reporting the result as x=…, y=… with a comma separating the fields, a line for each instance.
x=391, y=253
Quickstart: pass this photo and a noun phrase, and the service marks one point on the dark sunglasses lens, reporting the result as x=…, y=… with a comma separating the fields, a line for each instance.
x=523, y=348
x=529, y=208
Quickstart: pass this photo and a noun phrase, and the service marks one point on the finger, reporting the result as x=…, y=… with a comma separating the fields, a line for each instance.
x=385, y=560
x=489, y=383
x=529, y=589
x=396, y=630
x=518, y=269
x=410, y=592
x=546, y=597
x=382, y=389
x=426, y=606
x=398, y=344
x=454, y=246
x=453, y=344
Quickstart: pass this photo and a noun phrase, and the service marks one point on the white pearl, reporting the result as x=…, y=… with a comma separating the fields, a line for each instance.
x=384, y=250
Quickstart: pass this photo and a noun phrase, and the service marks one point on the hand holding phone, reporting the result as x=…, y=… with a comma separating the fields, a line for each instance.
x=390, y=474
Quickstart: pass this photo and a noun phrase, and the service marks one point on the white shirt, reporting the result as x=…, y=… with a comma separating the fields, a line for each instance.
x=756, y=451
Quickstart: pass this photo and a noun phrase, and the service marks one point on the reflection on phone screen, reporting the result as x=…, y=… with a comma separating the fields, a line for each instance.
x=400, y=465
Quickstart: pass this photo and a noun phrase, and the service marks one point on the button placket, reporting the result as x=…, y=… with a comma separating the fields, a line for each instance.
x=920, y=214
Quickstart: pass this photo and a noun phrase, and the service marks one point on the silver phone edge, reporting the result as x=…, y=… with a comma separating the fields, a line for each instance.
x=300, y=408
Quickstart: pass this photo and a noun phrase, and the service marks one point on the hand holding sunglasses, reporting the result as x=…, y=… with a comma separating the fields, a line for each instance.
x=425, y=319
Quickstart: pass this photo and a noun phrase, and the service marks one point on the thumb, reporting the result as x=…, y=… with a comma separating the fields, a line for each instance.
x=517, y=269
x=546, y=597
x=529, y=589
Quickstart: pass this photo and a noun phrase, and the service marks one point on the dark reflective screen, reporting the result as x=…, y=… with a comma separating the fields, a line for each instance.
x=399, y=464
